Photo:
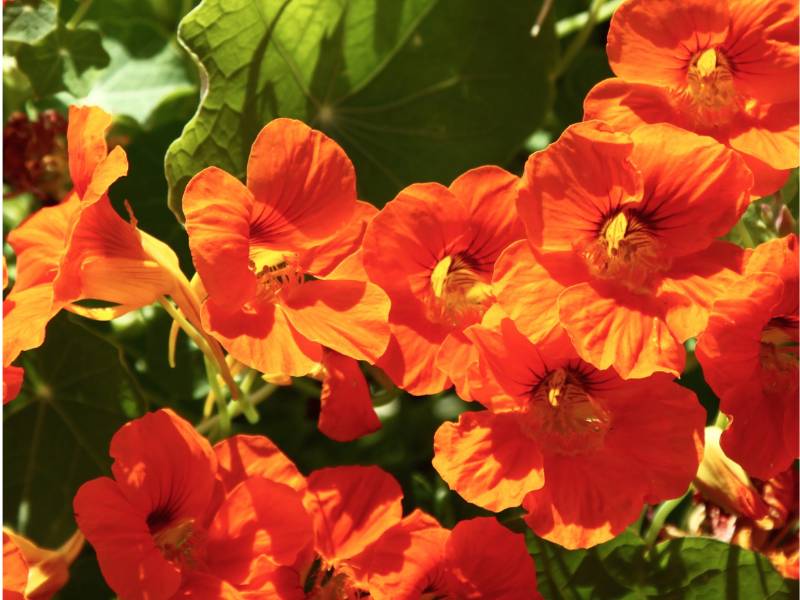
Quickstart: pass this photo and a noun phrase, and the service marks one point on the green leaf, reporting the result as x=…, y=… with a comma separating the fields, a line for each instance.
x=687, y=568
x=414, y=91
x=60, y=61
x=56, y=433
x=28, y=22
x=138, y=78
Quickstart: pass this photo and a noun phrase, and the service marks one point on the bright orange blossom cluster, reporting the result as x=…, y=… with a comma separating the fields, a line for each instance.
x=560, y=301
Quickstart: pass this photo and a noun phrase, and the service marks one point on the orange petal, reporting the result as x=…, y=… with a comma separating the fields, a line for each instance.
x=257, y=517
x=626, y=106
x=263, y=338
x=346, y=411
x=131, y=563
x=456, y=356
x=405, y=561
x=763, y=45
x=770, y=134
x=654, y=43
x=618, y=328
x=182, y=463
x=15, y=570
x=218, y=212
x=410, y=357
x=111, y=168
x=303, y=185
x=12, y=382
x=40, y=240
x=487, y=459
x=695, y=189
x=527, y=286
x=322, y=259
x=350, y=317
x=474, y=569
x=86, y=143
x=242, y=456
x=25, y=318
x=571, y=187
x=695, y=281
x=351, y=507
x=779, y=256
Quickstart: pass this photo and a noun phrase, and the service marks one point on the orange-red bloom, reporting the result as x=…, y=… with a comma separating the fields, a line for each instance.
x=433, y=249
x=724, y=68
x=749, y=355
x=254, y=247
x=621, y=248
x=82, y=249
x=34, y=573
x=580, y=448
x=182, y=518
x=479, y=558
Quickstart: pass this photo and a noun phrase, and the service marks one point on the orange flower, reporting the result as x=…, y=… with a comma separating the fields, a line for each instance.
x=724, y=68
x=35, y=573
x=433, y=249
x=749, y=356
x=171, y=522
x=82, y=249
x=576, y=446
x=254, y=248
x=462, y=563
x=622, y=249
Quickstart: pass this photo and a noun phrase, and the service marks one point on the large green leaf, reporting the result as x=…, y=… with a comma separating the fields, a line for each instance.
x=414, y=90
x=77, y=393
x=681, y=569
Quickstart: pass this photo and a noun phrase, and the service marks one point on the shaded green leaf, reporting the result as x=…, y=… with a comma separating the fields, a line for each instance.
x=61, y=60
x=76, y=394
x=28, y=22
x=414, y=90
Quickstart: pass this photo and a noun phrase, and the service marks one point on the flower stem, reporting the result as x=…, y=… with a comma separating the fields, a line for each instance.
x=660, y=517
x=579, y=41
x=255, y=399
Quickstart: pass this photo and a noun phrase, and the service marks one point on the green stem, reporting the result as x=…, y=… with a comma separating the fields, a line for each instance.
x=222, y=408
x=740, y=231
x=579, y=41
x=569, y=25
x=79, y=13
x=255, y=399
x=660, y=517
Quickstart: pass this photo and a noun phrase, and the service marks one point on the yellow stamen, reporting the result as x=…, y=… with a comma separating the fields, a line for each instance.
x=707, y=62
x=555, y=386
x=439, y=275
x=615, y=232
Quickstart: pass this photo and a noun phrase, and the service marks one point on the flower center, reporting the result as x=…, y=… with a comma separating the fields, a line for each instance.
x=710, y=85
x=460, y=294
x=275, y=271
x=624, y=250
x=779, y=353
x=179, y=542
x=564, y=416
x=325, y=582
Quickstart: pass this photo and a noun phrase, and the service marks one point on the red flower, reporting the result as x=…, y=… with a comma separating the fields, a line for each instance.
x=576, y=446
x=622, y=250
x=724, y=68
x=433, y=249
x=749, y=355
x=254, y=247
x=170, y=522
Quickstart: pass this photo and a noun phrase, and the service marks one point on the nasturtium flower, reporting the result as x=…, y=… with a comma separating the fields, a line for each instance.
x=724, y=68
x=759, y=515
x=34, y=573
x=433, y=249
x=621, y=248
x=749, y=355
x=581, y=449
x=182, y=518
x=479, y=558
x=257, y=251
x=82, y=249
